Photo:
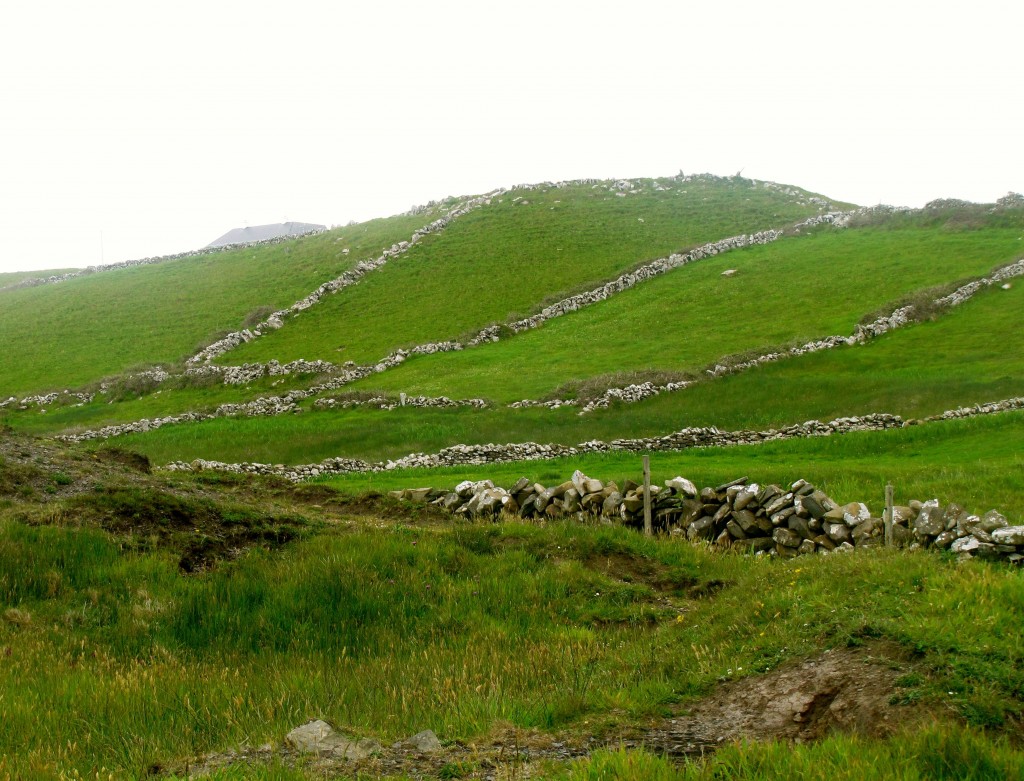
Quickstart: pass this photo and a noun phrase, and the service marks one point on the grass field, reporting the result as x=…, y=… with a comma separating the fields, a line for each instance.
x=75, y=332
x=390, y=629
x=976, y=462
x=972, y=366
x=165, y=400
x=970, y=355
x=8, y=278
x=794, y=290
x=513, y=255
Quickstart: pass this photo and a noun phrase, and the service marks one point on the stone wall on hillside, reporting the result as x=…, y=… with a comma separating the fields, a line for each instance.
x=276, y=319
x=475, y=455
x=784, y=521
x=199, y=365
x=402, y=400
x=621, y=188
x=899, y=318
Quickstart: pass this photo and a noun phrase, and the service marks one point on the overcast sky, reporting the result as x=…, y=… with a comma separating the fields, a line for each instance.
x=130, y=129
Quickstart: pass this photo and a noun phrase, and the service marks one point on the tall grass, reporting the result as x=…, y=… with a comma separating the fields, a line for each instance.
x=116, y=661
x=933, y=753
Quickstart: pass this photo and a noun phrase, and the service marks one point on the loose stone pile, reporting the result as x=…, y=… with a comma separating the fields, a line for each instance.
x=46, y=399
x=631, y=394
x=740, y=515
x=250, y=372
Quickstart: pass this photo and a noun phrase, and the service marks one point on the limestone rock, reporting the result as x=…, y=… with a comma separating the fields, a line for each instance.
x=318, y=737
x=992, y=520
x=425, y=742
x=683, y=486
x=787, y=538
x=1008, y=535
x=837, y=532
x=856, y=512
x=929, y=519
x=965, y=545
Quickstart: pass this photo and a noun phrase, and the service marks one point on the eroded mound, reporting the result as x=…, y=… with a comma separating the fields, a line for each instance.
x=847, y=690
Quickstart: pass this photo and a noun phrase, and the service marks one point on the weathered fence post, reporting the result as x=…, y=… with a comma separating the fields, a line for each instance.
x=888, y=514
x=648, y=526
x=401, y=398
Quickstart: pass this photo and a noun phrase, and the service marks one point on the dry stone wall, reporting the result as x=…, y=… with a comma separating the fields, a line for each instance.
x=391, y=402
x=784, y=521
x=276, y=320
x=897, y=319
x=462, y=455
x=63, y=397
x=629, y=394
x=476, y=455
x=199, y=365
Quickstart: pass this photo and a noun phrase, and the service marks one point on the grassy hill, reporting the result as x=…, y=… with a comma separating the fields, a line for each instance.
x=902, y=373
x=527, y=247
x=792, y=291
x=79, y=331
x=9, y=278
x=178, y=624
x=804, y=286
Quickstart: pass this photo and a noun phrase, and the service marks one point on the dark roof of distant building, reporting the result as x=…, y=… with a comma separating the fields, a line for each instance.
x=253, y=233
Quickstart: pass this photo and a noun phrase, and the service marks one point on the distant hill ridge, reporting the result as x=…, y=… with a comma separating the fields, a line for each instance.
x=253, y=233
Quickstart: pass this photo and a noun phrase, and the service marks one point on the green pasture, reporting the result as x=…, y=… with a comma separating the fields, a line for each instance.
x=8, y=278
x=507, y=259
x=68, y=334
x=972, y=354
x=115, y=663
x=789, y=292
x=976, y=361
x=976, y=462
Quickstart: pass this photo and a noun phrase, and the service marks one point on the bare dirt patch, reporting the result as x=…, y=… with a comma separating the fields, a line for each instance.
x=633, y=568
x=845, y=690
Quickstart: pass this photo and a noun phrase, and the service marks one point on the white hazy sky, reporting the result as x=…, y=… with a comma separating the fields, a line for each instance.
x=130, y=129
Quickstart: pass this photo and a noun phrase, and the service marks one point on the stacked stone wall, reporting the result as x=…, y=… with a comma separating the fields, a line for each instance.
x=784, y=521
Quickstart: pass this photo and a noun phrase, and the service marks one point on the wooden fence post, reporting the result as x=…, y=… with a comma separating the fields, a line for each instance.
x=648, y=526
x=888, y=514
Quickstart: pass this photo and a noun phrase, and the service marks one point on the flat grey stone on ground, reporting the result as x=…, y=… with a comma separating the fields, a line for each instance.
x=425, y=742
x=319, y=737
